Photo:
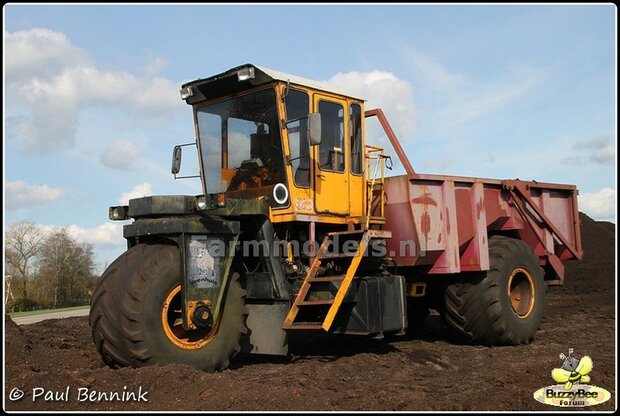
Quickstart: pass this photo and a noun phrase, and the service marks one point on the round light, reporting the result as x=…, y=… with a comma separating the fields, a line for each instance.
x=201, y=202
x=280, y=193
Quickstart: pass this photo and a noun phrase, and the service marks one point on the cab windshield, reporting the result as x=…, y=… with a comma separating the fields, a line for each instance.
x=239, y=141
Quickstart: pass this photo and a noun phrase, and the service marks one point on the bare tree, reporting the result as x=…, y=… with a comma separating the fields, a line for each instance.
x=65, y=270
x=22, y=245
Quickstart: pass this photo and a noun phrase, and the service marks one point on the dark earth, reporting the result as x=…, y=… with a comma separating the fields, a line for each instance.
x=421, y=372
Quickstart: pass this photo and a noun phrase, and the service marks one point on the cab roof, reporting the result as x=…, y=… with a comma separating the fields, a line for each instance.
x=248, y=76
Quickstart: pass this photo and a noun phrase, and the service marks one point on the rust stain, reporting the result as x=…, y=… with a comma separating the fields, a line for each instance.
x=425, y=223
x=424, y=200
x=447, y=222
x=439, y=239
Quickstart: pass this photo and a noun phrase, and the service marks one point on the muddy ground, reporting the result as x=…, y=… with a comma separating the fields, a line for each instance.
x=424, y=372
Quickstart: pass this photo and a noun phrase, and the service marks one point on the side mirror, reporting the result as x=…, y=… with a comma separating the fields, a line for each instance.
x=314, y=129
x=177, y=152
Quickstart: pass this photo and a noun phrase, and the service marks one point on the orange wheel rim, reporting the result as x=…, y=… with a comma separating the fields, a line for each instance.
x=172, y=322
x=521, y=292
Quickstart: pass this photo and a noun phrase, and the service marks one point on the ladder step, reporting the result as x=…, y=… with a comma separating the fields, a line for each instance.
x=326, y=279
x=371, y=233
x=315, y=302
x=305, y=325
x=337, y=255
x=346, y=232
x=341, y=297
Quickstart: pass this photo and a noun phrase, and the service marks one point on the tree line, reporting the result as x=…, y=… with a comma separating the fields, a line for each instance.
x=46, y=269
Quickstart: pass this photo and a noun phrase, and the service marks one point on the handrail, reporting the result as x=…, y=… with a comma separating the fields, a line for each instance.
x=370, y=182
x=393, y=140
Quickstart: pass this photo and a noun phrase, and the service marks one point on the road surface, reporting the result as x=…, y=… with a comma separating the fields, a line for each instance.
x=31, y=319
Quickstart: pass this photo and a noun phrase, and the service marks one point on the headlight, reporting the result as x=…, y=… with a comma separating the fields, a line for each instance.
x=119, y=213
x=201, y=203
x=186, y=92
x=280, y=193
x=245, y=74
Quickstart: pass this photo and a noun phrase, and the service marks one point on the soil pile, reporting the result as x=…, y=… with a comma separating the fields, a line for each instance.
x=596, y=272
x=338, y=373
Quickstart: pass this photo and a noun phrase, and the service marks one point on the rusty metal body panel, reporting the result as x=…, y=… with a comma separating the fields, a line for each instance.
x=448, y=220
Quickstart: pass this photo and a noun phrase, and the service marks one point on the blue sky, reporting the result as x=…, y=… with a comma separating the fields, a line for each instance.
x=92, y=108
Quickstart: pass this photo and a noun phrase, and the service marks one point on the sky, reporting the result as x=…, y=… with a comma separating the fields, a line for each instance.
x=92, y=107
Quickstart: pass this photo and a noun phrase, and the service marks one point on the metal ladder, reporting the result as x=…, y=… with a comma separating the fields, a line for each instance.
x=327, y=309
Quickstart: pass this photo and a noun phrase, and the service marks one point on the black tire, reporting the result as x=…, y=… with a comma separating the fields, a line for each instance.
x=479, y=309
x=126, y=313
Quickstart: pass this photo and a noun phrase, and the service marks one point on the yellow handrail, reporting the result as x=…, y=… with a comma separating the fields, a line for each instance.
x=374, y=153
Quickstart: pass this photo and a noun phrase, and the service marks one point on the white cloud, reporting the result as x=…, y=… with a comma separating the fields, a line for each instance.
x=144, y=189
x=155, y=65
x=20, y=194
x=109, y=234
x=107, y=240
x=384, y=90
x=600, y=205
x=604, y=156
x=80, y=87
x=39, y=53
x=122, y=154
x=65, y=82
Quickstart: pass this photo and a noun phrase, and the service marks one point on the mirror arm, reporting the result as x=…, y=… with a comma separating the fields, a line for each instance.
x=289, y=160
x=293, y=120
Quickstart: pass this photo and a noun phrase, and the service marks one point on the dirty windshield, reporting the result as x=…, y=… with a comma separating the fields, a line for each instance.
x=240, y=143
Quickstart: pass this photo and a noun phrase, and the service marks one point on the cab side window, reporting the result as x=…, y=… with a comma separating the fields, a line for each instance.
x=331, y=149
x=297, y=107
x=355, y=125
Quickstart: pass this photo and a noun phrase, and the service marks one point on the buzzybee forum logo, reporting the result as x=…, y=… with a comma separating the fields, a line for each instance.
x=573, y=390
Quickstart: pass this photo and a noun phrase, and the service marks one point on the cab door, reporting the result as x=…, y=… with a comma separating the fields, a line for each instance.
x=331, y=182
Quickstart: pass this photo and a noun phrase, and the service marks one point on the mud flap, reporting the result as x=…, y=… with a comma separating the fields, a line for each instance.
x=265, y=334
x=206, y=261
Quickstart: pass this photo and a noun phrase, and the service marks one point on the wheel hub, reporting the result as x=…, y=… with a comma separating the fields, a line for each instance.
x=172, y=322
x=521, y=292
x=202, y=317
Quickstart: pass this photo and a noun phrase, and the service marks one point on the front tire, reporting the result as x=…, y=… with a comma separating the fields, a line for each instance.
x=503, y=306
x=133, y=319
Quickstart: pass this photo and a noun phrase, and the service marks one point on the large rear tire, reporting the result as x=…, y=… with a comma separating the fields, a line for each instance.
x=503, y=306
x=135, y=309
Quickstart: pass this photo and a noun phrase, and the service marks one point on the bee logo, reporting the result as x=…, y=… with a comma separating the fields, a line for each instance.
x=572, y=388
x=573, y=371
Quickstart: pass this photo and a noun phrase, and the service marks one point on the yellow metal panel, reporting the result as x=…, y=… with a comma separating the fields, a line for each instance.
x=357, y=183
x=331, y=189
x=332, y=197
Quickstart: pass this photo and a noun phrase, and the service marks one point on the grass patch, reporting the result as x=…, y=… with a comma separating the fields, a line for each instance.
x=44, y=311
